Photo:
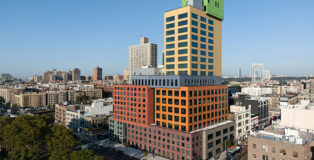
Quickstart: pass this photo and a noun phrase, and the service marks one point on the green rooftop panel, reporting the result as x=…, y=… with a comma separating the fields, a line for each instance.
x=214, y=8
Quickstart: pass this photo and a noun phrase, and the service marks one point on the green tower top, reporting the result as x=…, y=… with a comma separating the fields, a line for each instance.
x=214, y=8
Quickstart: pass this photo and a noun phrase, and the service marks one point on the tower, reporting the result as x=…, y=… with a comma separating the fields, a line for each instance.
x=193, y=39
x=97, y=74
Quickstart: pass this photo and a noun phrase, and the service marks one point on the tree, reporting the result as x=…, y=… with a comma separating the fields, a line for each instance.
x=227, y=144
x=82, y=155
x=2, y=100
x=61, y=143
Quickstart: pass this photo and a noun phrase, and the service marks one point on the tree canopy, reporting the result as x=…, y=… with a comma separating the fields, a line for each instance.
x=37, y=137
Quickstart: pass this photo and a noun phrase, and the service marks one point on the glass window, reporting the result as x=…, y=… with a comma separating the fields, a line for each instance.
x=194, y=73
x=203, y=33
x=203, y=26
x=210, y=67
x=203, y=73
x=183, y=37
x=203, y=19
x=194, y=51
x=195, y=37
x=210, y=28
x=210, y=34
x=210, y=47
x=170, y=66
x=170, y=46
x=184, y=65
x=210, y=73
x=170, y=32
x=194, y=44
x=194, y=30
x=210, y=41
x=185, y=58
x=210, y=22
x=183, y=44
x=182, y=23
x=184, y=15
x=203, y=60
x=170, y=60
x=211, y=54
x=203, y=39
x=169, y=19
x=194, y=66
x=183, y=51
x=203, y=46
x=203, y=66
x=195, y=16
x=170, y=39
x=183, y=30
x=194, y=23
x=169, y=53
x=195, y=59
x=171, y=25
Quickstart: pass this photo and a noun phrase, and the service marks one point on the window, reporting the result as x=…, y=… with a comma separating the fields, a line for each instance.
x=195, y=37
x=203, y=26
x=183, y=51
x=195, y=16
x=194, y=73
x=203, y=39
x=170, y=53
x=195, y=59
x=203, y=53
x=183, y=37
x=203, y=33
x=273, y=150
x=218, y=141
x=194, y=44
x=211, y=54
x=210, y=34
x=210, y=61
x=171, y=66
x=203, y=60
x=265, y=157
x=171, y=25
x=170, y=46
x=182, y=23
x=183, y=30
x=170, y=39
x=185, y=58
x=194, y=51
x=254, y=155
x=265, y=148
x=170, y=60
x=210, y=145
x=203, y=66
x=210, y=67
x=184, y=15
x=183, y=44
x=195, y=66
x=183, y=65
x=210, y=136
x=169, y=19
x=210, y=22
x=203, y=46
x=218, y=133
x=194, y=23
x=210, y=28
x=203, y=19
x=210, y=41
x=210, y=47
x=295, y=154
x=283, y=152
x=170, y=32
x=194, y=30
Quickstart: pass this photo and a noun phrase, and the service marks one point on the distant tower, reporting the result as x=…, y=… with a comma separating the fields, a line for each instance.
x=76, y=74
x=240, y=73
x=97, y=75
x=257, y=72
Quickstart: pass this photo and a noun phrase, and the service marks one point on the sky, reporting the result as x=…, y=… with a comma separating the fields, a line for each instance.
x=38, y=35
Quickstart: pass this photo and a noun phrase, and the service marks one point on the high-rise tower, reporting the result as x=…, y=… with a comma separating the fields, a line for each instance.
x=97, y=75
x=193, y=38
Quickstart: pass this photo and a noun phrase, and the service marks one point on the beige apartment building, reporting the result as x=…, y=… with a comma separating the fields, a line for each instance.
x=6, y=93
x=144, y=54
x=280, y=144
x=31, y=99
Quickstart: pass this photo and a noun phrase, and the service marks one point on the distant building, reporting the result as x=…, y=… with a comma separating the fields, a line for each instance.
x=126, y=76
x=31, y=99
x=97, y=74
x=256, y=91
x=257, y=72
x=76, y=74
x=242, y=118
x=144, y=54
x=312, y=90
x=276, y=143
x=148, y=70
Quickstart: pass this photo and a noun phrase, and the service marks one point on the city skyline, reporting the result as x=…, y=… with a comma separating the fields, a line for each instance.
x=69, y=44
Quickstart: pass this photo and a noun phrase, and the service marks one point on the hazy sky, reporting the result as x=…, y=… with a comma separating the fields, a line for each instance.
x=37, y=35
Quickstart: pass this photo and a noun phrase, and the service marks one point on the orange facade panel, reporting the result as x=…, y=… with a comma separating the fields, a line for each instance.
x=190, y=108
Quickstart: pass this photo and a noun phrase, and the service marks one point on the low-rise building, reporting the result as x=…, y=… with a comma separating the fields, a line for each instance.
x=242, y=118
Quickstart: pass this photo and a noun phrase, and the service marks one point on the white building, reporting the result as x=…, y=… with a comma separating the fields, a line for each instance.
x=149, y=70
x=242, y=117
x=298, y=116
x=73, y=119
x=255, y=91
x=98, y=108
x=144, y=54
